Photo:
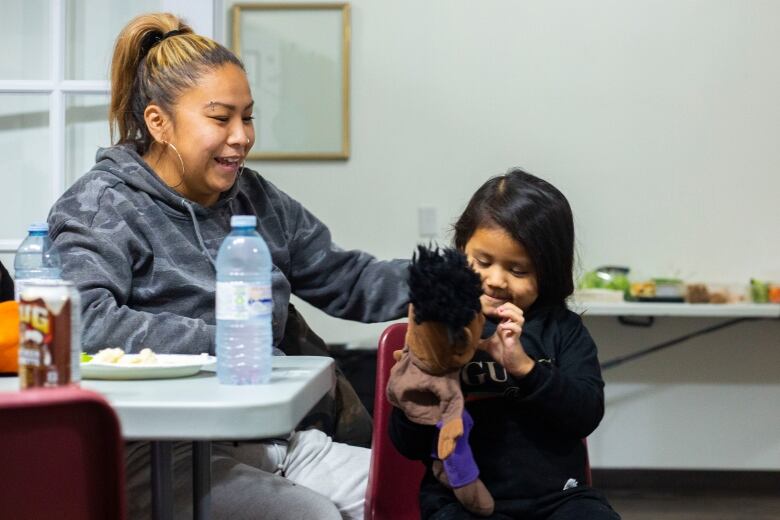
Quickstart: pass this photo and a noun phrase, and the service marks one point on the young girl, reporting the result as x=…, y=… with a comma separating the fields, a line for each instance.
x=139, y=235
x=534, y=389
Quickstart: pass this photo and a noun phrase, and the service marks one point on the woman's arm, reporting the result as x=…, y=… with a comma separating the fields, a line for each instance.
x=347, y=284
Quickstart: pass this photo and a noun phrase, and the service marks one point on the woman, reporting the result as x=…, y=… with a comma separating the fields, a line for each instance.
x=140, y=233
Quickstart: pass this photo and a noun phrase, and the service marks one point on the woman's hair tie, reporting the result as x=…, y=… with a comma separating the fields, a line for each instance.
x=155, y=37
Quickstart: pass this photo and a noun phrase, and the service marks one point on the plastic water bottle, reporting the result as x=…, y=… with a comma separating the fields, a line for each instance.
x=36, y=257
x=244, y=306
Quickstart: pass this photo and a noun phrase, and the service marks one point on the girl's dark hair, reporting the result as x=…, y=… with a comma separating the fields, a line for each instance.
x=536, y=214
x=157, y=57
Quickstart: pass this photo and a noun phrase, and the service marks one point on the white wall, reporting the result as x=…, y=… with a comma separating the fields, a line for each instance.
x=658, y=118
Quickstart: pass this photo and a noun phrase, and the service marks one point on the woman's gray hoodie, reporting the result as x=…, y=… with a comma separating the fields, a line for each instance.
x=142, y=257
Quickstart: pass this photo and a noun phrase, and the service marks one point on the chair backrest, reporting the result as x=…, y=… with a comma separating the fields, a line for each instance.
x=393, y=481
x=61, y=456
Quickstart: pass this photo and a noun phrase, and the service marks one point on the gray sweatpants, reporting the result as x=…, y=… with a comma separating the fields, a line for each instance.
x=307, y=477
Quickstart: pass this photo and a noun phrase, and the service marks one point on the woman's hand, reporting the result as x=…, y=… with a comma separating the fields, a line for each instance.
x=504, y=346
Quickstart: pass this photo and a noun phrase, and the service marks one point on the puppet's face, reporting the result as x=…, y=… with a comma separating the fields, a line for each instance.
x=433, y=349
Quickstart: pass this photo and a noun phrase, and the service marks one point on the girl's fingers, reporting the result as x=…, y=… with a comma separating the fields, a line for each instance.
x=509, y=311
x=491, y=312
x=510, y=326
x=484, y=344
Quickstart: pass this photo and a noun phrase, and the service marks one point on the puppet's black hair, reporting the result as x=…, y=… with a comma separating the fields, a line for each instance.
x=443, y=288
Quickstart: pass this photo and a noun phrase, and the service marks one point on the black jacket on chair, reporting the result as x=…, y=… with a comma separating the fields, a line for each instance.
x=6, y=284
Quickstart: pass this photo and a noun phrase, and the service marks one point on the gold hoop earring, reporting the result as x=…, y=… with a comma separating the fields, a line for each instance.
x=243, y=163
x=181, y=161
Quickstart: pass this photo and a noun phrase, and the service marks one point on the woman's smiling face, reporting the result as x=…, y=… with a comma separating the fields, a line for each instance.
x=507, y=272
x=212, y=130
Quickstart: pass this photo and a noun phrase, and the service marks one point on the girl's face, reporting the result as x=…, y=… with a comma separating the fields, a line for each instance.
x=507, y=272
x=213, y=132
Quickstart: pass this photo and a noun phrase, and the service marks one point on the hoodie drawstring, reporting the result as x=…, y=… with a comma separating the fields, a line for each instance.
x=197, y=232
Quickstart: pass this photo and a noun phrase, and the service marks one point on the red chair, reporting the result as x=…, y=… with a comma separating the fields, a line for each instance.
x=61, y=456
x=393, y=480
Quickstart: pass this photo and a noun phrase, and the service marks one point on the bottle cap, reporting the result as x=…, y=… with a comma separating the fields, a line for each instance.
x=243, y=221
x=39, y=226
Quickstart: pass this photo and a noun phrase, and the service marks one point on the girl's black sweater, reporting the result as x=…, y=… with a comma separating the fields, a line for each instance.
x=527, y=436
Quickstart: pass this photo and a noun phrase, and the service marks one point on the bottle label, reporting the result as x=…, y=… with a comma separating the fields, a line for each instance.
x=243, y=301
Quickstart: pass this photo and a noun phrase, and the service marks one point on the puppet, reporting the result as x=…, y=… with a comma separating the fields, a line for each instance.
x=445, y=323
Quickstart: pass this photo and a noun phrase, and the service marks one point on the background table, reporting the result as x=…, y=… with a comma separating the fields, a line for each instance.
x=643, y=314
x=692, y=310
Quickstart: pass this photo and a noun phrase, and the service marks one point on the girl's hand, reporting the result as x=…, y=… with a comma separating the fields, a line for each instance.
x=504, y=346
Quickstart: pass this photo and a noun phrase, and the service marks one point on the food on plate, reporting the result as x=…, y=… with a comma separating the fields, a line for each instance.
x=145, y=357
x=117, y=356
x=108, y=355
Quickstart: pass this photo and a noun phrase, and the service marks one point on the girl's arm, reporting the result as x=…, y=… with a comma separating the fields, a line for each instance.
x=567, y=392
x=570, y=395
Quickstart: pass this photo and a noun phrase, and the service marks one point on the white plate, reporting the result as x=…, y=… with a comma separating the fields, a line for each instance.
x=167, y=366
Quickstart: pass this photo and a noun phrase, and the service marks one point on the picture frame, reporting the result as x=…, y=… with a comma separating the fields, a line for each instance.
x=297, y=59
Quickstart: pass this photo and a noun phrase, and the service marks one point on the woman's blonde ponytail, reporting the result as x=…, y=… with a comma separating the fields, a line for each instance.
x=156, y=57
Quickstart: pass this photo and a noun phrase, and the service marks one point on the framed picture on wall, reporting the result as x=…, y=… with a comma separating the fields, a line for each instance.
x=297, y=60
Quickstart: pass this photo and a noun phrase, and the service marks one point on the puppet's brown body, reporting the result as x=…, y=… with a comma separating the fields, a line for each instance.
x=424, y=398
x=425, y=384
